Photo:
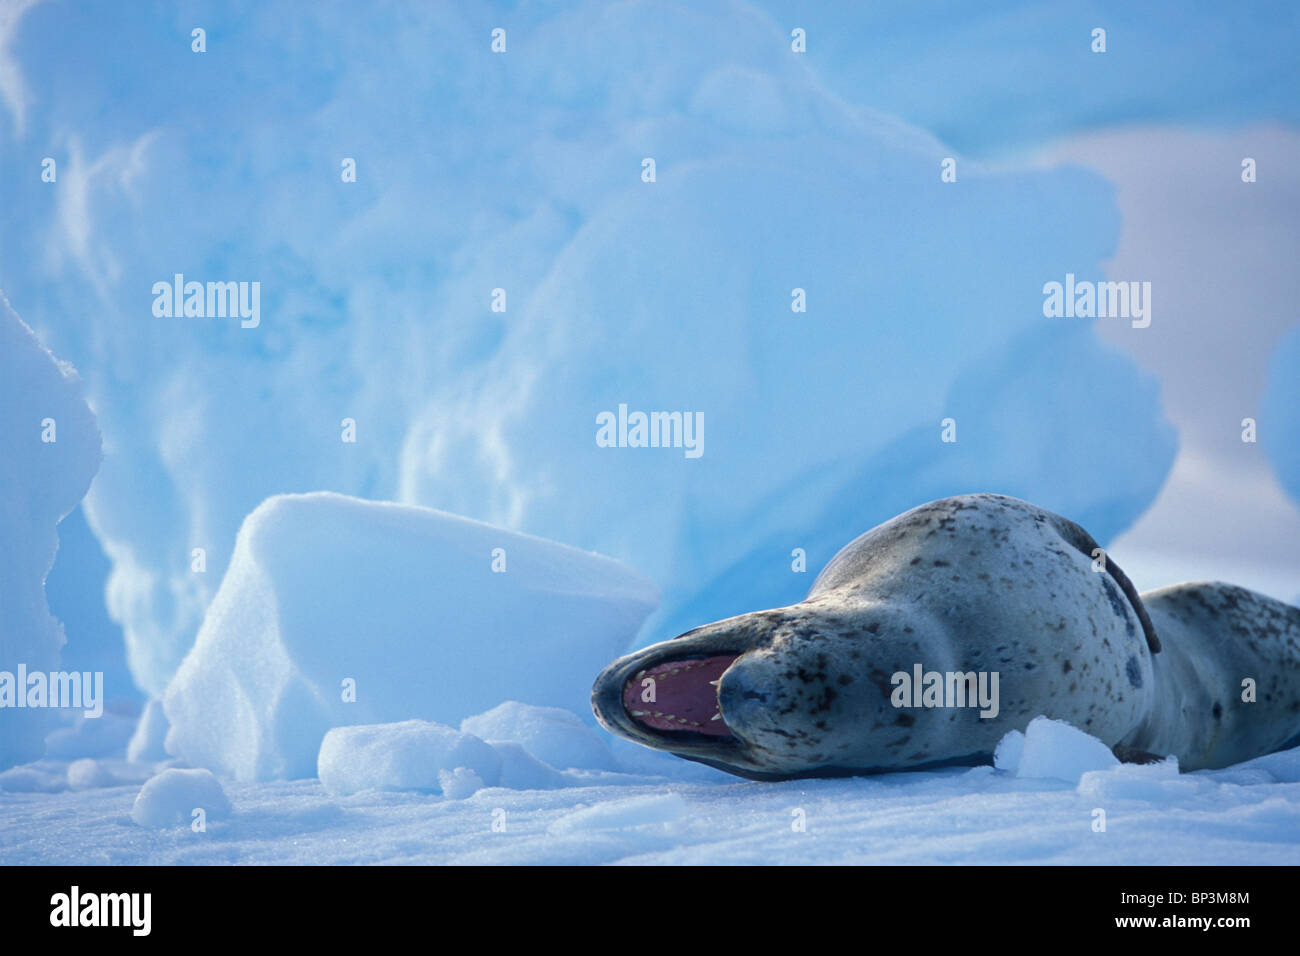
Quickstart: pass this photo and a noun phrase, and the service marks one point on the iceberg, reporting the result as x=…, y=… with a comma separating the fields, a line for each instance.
x=52, y=450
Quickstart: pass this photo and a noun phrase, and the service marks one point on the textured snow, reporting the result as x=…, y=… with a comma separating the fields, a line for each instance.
x=650, y=813
x=410, y=606
x=392, y=795
x=40, y=481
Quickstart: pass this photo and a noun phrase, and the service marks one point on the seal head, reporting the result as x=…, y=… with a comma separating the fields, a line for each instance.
x=775, y=694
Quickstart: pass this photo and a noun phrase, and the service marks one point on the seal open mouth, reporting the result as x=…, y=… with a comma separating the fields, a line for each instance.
x=679, y=696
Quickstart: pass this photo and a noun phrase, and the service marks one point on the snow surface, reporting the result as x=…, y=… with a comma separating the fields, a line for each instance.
x=51, y=450
x=674, y=813
x=338, y=611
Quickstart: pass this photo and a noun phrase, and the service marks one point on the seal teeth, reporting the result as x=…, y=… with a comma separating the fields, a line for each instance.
x=682, y=694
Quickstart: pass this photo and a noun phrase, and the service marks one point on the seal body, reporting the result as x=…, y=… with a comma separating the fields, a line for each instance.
x=1003, y=611
x=1227, y=682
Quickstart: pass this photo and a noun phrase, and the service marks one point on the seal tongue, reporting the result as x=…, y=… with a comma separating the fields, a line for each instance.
x=685, y=696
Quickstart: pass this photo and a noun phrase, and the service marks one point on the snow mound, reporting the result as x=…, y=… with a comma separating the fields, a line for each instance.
x=51, y=452
x=423, y=756
x=555, y=737
x=103, y=736
x=337, y=611
x=1054, y=748
x=31, y=778
x=88, y=773
x=409, y=755
x=171, y=798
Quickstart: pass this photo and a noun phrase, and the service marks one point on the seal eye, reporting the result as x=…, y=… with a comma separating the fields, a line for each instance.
x=679, y=695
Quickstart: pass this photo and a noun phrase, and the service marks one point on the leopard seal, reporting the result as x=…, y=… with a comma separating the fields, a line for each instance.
x=978, y=584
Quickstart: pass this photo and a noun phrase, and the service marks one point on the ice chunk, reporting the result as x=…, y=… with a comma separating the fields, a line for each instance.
x=409, y=755
x=1054, y=748
x=146, y=743
x=172, y=796
x=1009, y=750
x=51, y=453
x=459, y=783
x=337, y=611
x=554, y=736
